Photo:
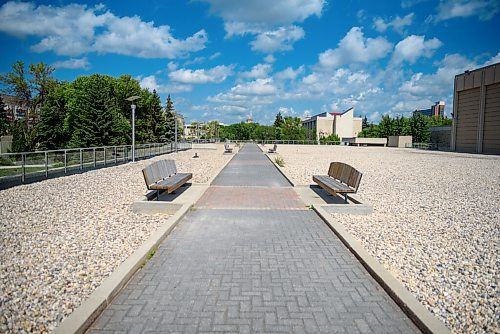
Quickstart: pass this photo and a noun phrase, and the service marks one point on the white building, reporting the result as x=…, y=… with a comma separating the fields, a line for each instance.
x=343, y=124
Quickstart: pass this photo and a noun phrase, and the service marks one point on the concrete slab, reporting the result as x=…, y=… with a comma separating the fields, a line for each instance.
x=169, y=203
x=314, y=195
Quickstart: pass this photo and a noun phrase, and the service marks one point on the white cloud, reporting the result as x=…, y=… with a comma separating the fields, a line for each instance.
x=256, y=87
x=289, y=73
x=269, y=59
x=264, y=12
x=287, y=111
x=150, y=82
x=354, y=47
x=270, y=21
x=74, y=30
x=258, y=71
x=215, y=56
x=281, y=39
x=483, y=9
x=214, y=75
x=73, y=63
x=413, y=47
x=398, y=24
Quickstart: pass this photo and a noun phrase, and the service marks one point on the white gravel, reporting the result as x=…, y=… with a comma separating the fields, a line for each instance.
x=435, y=224
x=60, y=238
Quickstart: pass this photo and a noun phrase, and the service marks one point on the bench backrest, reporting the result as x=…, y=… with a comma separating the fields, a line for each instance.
x=158, y=171
x=345, y=174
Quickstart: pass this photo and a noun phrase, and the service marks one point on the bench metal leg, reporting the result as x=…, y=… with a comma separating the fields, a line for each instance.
x=345, y=198
x=158, y=195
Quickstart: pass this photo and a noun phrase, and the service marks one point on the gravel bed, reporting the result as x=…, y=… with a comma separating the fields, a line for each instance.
x=60, y=238
x=435, y=224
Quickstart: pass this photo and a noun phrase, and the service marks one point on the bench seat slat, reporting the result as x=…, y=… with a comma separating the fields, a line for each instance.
x=342, y=178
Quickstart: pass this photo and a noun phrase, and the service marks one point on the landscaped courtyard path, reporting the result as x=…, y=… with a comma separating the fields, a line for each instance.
x=252, y=257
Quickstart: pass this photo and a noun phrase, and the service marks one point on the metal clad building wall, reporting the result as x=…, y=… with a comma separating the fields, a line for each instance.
x=467, y=120
x=491, y=135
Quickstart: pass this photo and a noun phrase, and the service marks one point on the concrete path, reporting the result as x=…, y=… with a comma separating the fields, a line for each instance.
x=252, y=258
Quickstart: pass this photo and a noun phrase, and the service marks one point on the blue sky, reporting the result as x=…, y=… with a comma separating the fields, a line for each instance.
x=227, y=59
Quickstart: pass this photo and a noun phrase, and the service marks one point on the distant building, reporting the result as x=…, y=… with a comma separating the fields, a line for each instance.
x=249, y=120
x=343, y=124
x=437, y=110
x=14, y=108
x=476, y=111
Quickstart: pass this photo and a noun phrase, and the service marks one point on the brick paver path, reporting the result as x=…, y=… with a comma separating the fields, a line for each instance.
x=252, y=258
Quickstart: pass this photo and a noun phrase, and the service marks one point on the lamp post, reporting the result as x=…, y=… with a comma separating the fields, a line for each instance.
x=175, y=129
x=133, y=106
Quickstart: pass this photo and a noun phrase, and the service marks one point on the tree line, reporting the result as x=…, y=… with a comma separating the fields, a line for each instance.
x=284, y=128
x=416, y=126
x=89, y=111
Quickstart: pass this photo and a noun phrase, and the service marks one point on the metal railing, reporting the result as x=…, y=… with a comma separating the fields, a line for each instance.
x=429, y=146
x=26, y=167
x=289, y=142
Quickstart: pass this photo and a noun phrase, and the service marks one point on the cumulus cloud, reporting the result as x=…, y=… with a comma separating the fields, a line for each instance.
x=271, y=22
x=73, y=63
x=202, y=76
x=258, y=13
x=398, y=23
x=413, y=47
x=289, y=73
x=449, y=9
x=75, y=29
x=258, y=71
x=150, y=82
x=354, y=47
x=256, y=87
x=281, y=39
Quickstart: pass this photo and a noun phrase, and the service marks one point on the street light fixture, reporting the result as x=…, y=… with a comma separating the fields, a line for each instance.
x=133, y=106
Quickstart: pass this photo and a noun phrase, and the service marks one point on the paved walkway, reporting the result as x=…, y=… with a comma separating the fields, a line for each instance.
x=252, y=258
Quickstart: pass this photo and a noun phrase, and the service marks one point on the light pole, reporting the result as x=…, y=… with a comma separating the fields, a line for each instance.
x=132, y=99
x=175, y=129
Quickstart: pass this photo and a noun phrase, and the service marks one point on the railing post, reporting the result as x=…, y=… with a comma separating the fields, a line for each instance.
x=23, y=161
x=81, y=159
x=104, y=148
x=93, y=152
x=125, y=154
x=46, y=164
x=65, y=161
x=116, y=157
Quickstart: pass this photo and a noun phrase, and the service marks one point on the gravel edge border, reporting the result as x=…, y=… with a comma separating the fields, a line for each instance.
x=83, y=317
x=422, y=318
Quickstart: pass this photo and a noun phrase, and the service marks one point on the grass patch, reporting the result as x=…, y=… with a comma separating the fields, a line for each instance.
x=279, y=161
x=151, y=254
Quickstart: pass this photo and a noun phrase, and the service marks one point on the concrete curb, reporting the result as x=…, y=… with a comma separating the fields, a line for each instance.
x=424, y=320
x=83, y=317
x=279, y=168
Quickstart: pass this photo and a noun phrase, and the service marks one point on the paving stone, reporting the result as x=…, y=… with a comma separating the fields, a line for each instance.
x=233, y=267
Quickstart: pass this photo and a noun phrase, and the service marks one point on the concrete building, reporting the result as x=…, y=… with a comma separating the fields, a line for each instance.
x=476, y=111
x=343, y=124
x=14, y=108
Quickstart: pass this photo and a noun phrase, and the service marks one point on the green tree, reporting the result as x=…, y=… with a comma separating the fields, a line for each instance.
x=331, y=138
x=278, y=122
x=385, y=126
x=170, y=119
x=52, y=129
x=419, y=128
x=94, y=116
x=30, y=88
x=365, y=123
x=292, y=129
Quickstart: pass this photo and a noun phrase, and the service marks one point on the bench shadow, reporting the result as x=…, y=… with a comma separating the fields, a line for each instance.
x=165, y=197
x=325, y=196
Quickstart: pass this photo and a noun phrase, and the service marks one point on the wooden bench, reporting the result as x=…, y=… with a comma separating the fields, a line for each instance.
x=162, y=175
x=273, y=150
x=341, y=179
x=227, y=149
